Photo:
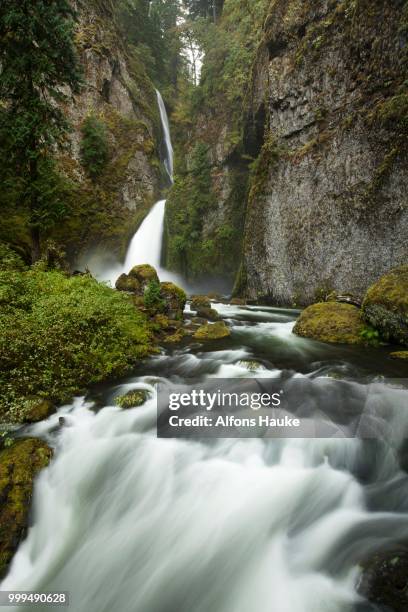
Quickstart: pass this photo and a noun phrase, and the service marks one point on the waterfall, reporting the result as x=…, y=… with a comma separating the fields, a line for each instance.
x=168, y=163
x=146, y=244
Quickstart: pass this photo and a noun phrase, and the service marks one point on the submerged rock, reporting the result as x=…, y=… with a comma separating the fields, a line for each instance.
x=133, y=399
x=385, y=305
x=212, y=331
x=331, y=322
x=19, y=465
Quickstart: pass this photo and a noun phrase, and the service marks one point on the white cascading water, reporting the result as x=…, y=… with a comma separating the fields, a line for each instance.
x=146, y=245
x=128, y=522
x=168, y=162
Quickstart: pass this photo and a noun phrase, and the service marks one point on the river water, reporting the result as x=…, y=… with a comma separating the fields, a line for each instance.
x=128, y=522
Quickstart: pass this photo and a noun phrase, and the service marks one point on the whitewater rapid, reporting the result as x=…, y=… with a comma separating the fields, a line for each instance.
x=128, y=522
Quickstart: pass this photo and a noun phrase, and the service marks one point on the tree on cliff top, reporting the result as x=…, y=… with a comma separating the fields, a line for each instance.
x=37, y=62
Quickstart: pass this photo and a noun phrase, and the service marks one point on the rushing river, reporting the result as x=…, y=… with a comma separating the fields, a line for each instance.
x=128, y=522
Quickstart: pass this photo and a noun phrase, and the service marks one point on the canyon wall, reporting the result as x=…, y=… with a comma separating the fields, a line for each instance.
x=327, y=120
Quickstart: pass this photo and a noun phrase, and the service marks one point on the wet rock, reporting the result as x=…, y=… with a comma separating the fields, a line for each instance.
x=399, y=355
x=238, y=301
x=175, y=300
x=128, y=283
x=385, y=581
x=19, y=465
x=331, y=322
x=385, y=305
x=38, y=410
x=133, y=399
x=176, y=337
x=210, y=314
x=198, y=302
x=212, y=331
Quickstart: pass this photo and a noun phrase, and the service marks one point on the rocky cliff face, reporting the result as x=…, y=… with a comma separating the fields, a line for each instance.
x=106, y=209
x=328, y=120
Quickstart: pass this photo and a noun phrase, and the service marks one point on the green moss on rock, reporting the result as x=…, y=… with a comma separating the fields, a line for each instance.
x=38, y=409
x=133, y=399
x=385, y=305
x=200, y=301
x=19, y=465
x=127, y=283
x=399, y=355
x=175, y=300
x=331, y=322
x=212, y=331
x=144, y=274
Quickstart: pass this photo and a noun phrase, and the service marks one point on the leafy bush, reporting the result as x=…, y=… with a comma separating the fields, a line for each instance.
x=59, y=334
x=370, y=335
x=9, y=259
x=94, y=146
x=152, y=296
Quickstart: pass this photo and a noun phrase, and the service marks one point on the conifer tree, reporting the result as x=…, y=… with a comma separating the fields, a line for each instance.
x=38, y=68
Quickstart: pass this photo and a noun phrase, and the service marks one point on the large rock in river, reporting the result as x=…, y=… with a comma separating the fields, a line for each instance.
x=331, y=322
x=385, y=305
x=175, y=300
x=19, y=465
x=212, y=331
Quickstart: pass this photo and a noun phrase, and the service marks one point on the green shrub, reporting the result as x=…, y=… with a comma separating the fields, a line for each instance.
x=59, y=334
x=94, y=146
x=152, y=296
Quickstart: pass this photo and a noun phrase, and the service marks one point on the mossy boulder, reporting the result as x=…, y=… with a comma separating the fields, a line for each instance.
x=144, y=274
x=38, y=409
x=175, y=338
x=399, y=355
x=331, y=322
x=200, y=301
x=385, y=305
x=128, y=283
x=212, y=331
x=208, y=313
x=175, y=300
x=133, y=399
x=19, y=465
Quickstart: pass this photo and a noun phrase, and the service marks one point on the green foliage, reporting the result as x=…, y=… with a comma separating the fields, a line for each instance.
x=370, y=335
x=59, y=334
x=151, y=29
x=38, y=60
x=9, y=259
x=94, y=146
x=152, y=296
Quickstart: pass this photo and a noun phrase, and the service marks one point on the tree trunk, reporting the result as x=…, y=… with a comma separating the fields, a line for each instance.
x=214, y=11
x=34, y=229
x=35, y=244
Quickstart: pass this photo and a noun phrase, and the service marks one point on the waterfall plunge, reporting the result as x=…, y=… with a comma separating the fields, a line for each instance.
x=146, y=245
